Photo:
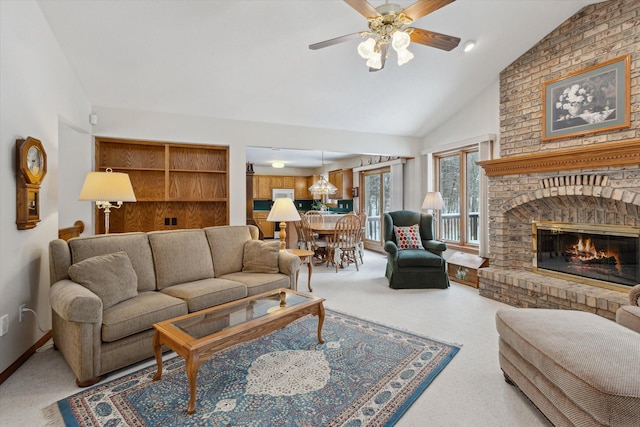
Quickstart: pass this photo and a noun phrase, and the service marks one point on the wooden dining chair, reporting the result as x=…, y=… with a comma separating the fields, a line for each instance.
x=343, y=246
x=362, y=216
x=301, y=243
x=318, y=246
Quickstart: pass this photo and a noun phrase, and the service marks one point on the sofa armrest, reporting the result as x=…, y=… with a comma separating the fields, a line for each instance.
x=391, y=248
x=634, y=295
x=73, y=302
x=629, y=317
x=288, y=264
x=434, y=246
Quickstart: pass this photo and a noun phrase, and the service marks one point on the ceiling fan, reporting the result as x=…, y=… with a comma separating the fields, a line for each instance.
x=388, y=25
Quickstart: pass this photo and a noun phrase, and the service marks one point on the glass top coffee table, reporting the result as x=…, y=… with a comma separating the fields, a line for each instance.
x=197, y=336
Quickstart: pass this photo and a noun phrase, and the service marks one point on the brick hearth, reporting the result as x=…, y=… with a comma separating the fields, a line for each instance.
x=531, y=290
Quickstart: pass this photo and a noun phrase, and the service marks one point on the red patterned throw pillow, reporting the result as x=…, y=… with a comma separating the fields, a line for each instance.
x=408, y=237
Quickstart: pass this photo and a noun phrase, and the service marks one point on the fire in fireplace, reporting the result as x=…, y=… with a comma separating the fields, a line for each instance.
x=599, y=254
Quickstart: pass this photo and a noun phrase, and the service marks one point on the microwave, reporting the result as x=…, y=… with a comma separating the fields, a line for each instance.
x=283, y=192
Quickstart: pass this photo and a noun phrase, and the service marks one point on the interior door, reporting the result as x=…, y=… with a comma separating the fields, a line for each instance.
x=376, y=199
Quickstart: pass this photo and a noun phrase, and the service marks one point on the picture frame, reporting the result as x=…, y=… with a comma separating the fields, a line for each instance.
x=595, y=99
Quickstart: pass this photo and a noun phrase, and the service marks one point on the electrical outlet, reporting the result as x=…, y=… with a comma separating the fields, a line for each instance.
x=20, y=311
x=4, y=324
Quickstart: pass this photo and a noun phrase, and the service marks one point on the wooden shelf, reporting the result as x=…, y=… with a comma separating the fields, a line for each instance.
x=183, y=183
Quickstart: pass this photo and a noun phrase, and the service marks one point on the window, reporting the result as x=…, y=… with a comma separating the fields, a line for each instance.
x=376, y=200
x=458, y=180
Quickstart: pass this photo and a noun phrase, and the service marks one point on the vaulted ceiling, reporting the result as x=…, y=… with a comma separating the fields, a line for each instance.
x=249, y=60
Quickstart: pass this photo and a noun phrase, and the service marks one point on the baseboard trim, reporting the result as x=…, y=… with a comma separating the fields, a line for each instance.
x=22, y=359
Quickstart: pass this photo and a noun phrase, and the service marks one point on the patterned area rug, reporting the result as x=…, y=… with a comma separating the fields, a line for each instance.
x=364, y=374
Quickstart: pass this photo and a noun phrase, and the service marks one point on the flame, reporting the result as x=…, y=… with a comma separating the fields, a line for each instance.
x=585, y=250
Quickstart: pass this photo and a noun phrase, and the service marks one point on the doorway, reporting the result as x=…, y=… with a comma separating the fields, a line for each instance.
x=376, y=199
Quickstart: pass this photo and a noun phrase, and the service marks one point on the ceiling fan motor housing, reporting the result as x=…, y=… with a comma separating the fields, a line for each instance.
x=392, y=19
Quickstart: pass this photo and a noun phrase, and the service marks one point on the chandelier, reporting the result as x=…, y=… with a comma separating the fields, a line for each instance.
x=384, y=30
x=322, y=186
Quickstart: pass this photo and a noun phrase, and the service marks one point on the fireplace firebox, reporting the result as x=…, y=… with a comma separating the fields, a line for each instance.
x=600, y=255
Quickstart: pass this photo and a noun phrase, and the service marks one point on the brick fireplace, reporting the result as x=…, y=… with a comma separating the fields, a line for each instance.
x=592, y=179
x=595, y=185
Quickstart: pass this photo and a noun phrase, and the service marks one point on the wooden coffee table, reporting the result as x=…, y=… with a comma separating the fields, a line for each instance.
x=197, y=336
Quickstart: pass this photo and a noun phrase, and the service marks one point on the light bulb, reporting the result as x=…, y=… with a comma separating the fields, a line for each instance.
x=404, y=56
x=400, y=40
x=365, y=49
x=375, y=61
x=468, y=45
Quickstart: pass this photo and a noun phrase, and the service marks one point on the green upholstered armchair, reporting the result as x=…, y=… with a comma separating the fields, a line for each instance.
x=414, y=268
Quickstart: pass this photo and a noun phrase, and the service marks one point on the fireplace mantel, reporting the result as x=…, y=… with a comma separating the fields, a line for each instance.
x=607, y=154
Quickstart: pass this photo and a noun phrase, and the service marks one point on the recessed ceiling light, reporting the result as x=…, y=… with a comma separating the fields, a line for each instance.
x=277, y=165
x=468, y=45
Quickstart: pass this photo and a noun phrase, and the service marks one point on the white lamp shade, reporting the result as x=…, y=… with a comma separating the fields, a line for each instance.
x=433, y=200
x=400, y=40
x=375, y=61
x=404, y=56
x=108, y=187
x=366, y=48
x=283, y=210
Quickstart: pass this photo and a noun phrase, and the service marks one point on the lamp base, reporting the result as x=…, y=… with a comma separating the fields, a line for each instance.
x=283, y=236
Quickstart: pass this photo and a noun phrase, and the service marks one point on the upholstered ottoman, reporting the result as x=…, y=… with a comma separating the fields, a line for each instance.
x=576, y=367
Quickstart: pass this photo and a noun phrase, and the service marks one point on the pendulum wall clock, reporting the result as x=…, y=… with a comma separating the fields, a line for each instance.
x=31, y=167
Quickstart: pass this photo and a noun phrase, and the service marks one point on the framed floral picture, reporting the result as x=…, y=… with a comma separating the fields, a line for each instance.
x=596, y=99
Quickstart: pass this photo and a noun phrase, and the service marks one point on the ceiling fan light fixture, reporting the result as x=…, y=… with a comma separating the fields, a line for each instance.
x=375, y=61
x=400, y=40
x=366, y=48
x=404, y=56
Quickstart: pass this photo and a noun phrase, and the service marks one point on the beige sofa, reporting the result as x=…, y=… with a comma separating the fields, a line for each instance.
x=578, y=368
x=124, y=283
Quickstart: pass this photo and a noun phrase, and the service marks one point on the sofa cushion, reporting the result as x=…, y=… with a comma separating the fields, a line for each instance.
x=180, y=256
x=139, y=314
x=111, y=277
x=207, y=293
x=227, y=247
x=408, y=237
x=418, y=258
x=258, y=283
x=136, y=245
x=260, y=256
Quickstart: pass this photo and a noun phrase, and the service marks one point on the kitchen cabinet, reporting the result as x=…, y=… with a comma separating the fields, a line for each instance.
x=310, y=181
x=267, y=226
x=301, y=189
x=343, y=180
x=264, y=187
x=176, y=185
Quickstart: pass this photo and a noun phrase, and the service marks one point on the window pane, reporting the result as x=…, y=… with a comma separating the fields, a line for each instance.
x=473, y=196
x=386, y=179
x=372, y=206
x=450, y=189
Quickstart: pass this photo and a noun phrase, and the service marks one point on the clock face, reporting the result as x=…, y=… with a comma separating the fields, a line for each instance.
x=35, y=161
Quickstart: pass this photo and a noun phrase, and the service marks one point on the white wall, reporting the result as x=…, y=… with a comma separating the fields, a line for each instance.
x=38, y=90
x=480, y=117
x=75, y=156
x=238, y=135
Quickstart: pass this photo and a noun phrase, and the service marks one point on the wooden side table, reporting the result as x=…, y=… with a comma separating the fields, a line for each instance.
x=463, y=268
x=307, y=258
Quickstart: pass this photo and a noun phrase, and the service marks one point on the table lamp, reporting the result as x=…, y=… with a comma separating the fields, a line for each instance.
x=283, y=210
x=104, y=187
x=433, y=200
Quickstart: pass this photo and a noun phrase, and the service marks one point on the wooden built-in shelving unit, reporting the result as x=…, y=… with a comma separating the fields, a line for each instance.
x=176, y=185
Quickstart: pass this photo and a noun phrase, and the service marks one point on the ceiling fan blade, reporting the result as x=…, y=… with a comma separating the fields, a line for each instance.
x=384, y=49
x=433, y=39
x=337, y=40
x=424, y=7
x=363, y=7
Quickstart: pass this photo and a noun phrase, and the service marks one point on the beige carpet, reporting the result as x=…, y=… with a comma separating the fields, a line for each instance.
x=471, y=391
